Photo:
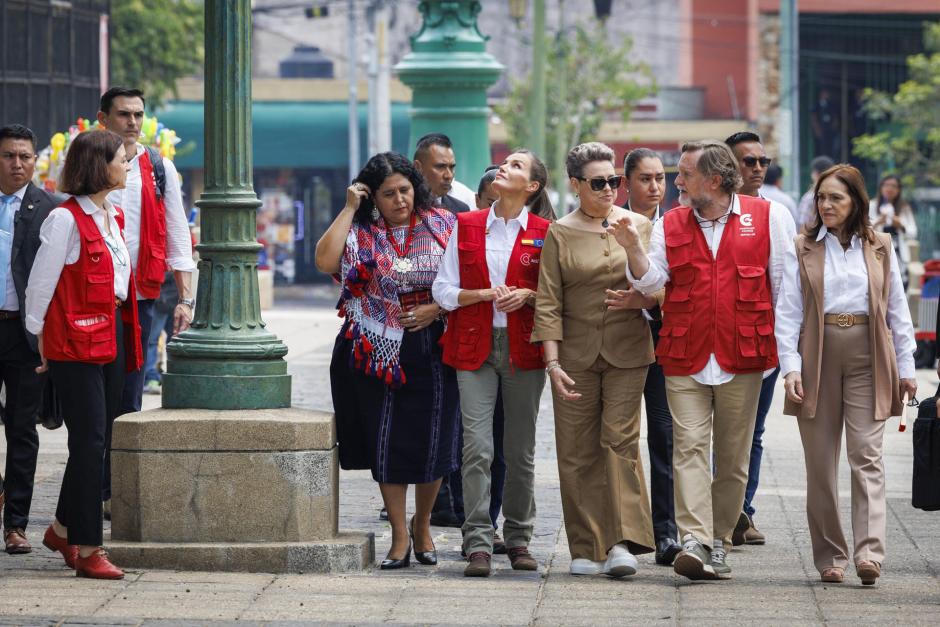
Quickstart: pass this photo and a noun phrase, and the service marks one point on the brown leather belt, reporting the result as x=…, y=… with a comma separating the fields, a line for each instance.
x=410, y=300
x=846, y=320
x=9, y=315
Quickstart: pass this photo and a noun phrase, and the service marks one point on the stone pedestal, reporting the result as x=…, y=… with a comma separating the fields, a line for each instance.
x=198, y=489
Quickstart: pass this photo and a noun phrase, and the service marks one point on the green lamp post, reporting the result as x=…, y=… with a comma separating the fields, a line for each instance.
x=227, y=359
x=449, y=71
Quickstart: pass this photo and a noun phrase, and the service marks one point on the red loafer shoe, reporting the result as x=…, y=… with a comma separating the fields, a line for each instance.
x=97, y=566
x=57, y=544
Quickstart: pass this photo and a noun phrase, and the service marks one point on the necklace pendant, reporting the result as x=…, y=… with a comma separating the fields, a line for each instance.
x=605, y=223
x=402, y=265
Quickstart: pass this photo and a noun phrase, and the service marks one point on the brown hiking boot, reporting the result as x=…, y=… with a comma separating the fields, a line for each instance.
x=521, y=559
x=746, y=533
x=478, y=566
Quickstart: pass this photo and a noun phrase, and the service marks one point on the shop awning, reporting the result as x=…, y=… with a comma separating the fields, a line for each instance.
x=285, y=134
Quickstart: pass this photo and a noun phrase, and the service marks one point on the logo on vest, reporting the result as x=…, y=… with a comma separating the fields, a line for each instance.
x=747, y=228
x=527, y=259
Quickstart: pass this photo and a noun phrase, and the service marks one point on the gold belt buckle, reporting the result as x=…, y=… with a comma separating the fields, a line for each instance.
x=845, y=320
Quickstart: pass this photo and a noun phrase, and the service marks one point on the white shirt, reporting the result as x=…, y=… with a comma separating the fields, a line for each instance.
x=61, y=246
x=463, y=193
x=179, y=248
x=775, y=194
x=11, y=301
x=782, y=255
x=845, y=290
x=656, y=218
x=500, y=239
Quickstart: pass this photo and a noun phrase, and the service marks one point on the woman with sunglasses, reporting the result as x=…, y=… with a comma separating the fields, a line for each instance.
x=488, y=281
x=846, y=346
x=81, y=304
x=597, y=350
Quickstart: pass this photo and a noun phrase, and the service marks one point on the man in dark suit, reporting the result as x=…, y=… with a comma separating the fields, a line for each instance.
x=434, y=158
x=23, y=207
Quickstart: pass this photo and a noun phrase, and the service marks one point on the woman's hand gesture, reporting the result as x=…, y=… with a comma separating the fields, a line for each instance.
x=420, y=317
x=355, y=194
x=793, y=384
x=561, y=382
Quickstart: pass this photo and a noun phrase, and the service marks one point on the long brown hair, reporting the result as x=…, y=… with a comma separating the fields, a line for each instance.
x=857, y=223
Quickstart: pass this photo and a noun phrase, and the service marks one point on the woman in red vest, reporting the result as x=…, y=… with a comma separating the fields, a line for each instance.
x=488, y=281
x=395, y=401
x=80, y=303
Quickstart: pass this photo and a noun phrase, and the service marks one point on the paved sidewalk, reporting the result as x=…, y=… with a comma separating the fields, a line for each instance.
x=773, y=584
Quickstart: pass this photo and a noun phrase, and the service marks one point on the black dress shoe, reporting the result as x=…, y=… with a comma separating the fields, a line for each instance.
x=666, y=551
x=446, y=519
x=428, y=558
x=391, y=564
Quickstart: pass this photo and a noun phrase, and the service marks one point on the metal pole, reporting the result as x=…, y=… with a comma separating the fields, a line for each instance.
x=789, y=109
x=227, y=359
x=561, y=138
x=537, y=106
x=383, y=79
x=353, y=77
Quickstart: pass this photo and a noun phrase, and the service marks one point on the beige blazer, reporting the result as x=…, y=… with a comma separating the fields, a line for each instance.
x=576, y=268
x=812, y=257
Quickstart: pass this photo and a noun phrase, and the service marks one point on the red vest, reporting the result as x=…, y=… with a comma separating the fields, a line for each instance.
x=718, y=305
x=151, y=255
x=80, y=323
x=468, y=340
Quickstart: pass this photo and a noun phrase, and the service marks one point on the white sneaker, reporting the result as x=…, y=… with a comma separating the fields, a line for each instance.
x=620, y=562
x=582, y=566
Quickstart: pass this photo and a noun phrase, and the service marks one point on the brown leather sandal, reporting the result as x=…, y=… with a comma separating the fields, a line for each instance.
x=868, y=572
x=833, y=574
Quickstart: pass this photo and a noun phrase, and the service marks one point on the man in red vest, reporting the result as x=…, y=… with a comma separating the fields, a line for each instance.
x=156, y=231
x=720, y=257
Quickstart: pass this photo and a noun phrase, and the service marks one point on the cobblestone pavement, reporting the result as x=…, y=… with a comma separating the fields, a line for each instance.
x=773, y=584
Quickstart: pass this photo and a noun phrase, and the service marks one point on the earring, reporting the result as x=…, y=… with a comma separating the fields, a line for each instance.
x=375, y=214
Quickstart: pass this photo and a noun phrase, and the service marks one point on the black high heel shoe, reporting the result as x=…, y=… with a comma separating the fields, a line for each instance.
x=389, y=564
x=428, y=558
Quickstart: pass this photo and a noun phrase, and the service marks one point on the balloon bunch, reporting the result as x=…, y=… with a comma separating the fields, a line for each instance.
x=52, y=157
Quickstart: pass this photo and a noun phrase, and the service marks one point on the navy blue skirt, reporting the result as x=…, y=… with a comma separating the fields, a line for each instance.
x=408, y=435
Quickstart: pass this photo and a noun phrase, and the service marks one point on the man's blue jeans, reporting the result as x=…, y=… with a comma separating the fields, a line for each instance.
x=757, y=447
x=162, y=321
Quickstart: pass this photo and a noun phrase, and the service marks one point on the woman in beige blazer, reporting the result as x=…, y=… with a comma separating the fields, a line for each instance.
x=597, y=350
x=846, y=345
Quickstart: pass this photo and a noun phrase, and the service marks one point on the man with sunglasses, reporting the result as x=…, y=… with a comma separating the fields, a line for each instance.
x=23, y=207
x=721, y=257
x=753, y=164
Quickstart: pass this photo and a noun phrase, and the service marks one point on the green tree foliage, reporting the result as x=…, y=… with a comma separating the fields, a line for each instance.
x=600, y=79
x=910, y=141
x=154, y=43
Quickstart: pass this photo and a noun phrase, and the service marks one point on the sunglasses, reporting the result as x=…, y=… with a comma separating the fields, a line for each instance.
x=599, y=183
x=752, y=161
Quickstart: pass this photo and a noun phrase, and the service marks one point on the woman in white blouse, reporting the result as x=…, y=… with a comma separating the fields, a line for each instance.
x=846, y=344
x=78, y=292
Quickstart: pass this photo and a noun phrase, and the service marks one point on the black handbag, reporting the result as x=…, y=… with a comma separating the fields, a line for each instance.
x=925, y=491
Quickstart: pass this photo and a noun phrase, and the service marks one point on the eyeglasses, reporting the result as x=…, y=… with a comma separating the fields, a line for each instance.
x=599, y=183
x=705, y=223
x=25, y=157
x=752, y=161
x=913, y=402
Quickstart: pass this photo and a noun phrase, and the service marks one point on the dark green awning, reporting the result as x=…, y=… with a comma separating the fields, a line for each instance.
x=285, y=134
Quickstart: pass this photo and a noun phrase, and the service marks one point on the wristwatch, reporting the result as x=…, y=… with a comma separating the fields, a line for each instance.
x=187, y=301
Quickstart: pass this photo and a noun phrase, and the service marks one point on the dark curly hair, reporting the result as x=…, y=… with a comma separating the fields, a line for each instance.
x=379, y=168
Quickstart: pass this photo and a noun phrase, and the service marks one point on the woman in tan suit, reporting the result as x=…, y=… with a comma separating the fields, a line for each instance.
x=846, y=346
x=597, y=350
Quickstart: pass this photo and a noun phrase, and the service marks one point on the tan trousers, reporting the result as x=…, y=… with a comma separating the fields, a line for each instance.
x=708, y=504
x=603, y=492
x=845, y=398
